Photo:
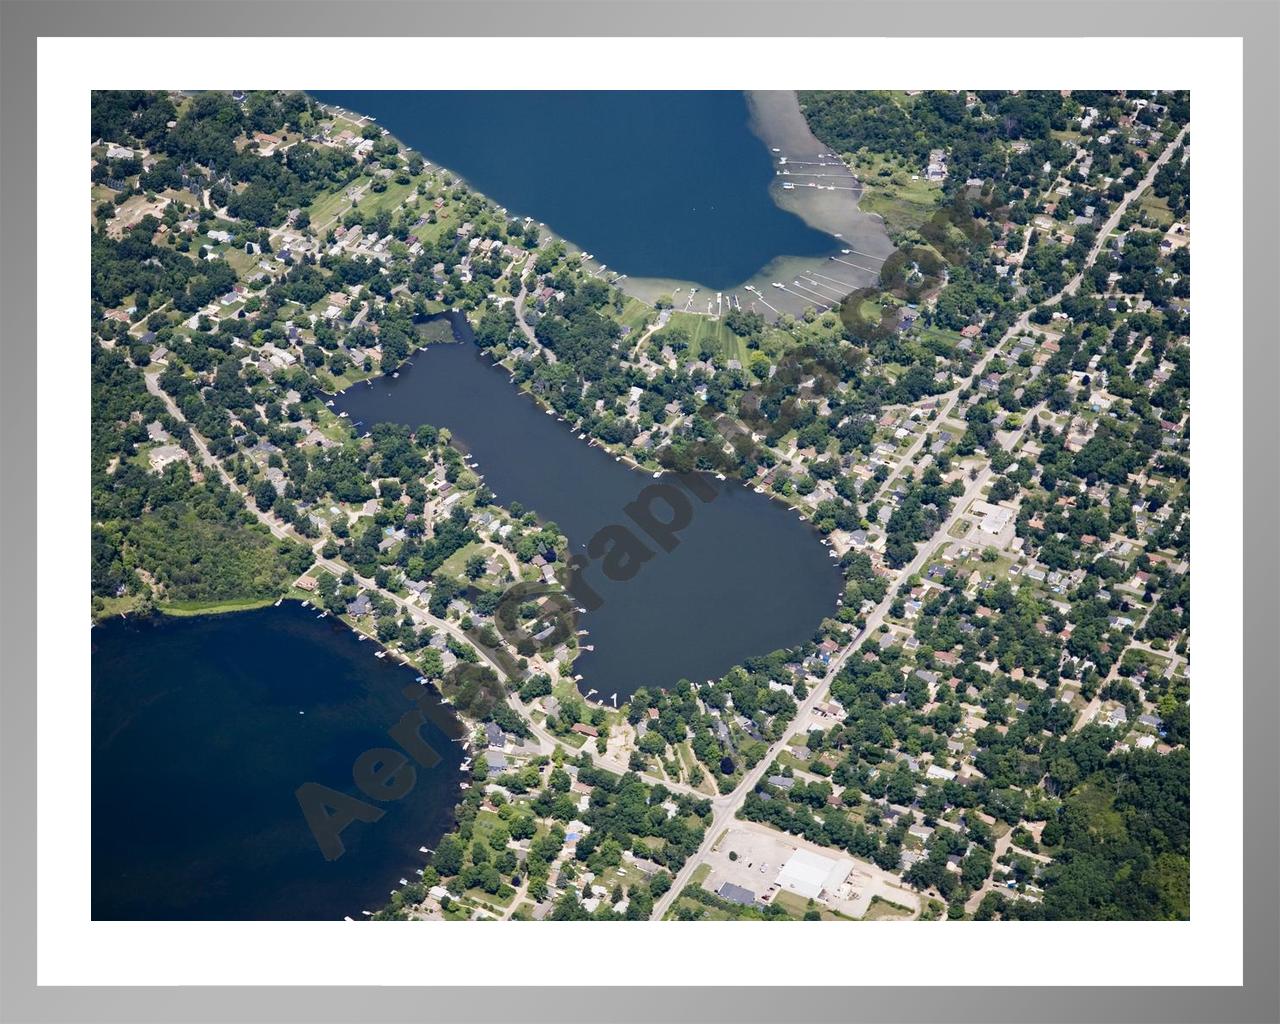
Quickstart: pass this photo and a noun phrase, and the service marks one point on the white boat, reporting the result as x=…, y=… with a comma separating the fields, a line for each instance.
x=777, y=284
x=788, y=184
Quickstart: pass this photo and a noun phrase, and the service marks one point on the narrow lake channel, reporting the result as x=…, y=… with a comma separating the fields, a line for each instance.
x=747, y=577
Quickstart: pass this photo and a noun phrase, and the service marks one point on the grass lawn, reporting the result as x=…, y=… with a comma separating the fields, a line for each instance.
x=905, y=202
x=709, y=337
x=184, y=608
x=634, y=314
x=796, y=906
x=883, y=910
x=391, y=198
x=939, y=338
x=708, y=913
x=456, y=563
x=327, y=207
x=1156, y=209
x=116, y=606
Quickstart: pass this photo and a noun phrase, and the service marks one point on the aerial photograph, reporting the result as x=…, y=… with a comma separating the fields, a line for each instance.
x=640, y=505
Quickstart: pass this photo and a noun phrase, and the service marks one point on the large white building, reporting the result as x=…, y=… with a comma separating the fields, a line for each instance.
x=809, y=874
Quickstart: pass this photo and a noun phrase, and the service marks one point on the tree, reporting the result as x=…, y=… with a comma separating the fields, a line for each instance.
x=264, y=495
x=447, y=858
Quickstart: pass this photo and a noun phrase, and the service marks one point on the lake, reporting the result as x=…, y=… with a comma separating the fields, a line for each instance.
x=204, y=728
x=671, y=185
x=748, y=575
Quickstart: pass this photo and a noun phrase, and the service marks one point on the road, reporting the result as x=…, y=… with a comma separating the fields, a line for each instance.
x=420, y=615
x=726, y=808
x=284, y=531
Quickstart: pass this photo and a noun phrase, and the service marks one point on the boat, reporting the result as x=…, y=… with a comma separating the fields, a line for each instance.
x=788, y=184
x=778, y=284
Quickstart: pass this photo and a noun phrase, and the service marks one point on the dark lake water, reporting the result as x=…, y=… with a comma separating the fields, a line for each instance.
x=747, y=577
x=655, y=184
x=199, y=746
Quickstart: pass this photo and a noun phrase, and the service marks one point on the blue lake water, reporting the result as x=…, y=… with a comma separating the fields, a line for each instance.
x=203, y=730
x=655, y=184
x=747, y=576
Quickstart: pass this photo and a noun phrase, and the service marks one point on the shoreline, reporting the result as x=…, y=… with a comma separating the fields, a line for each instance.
x=777, y=121
x=782, y=129
x=217, y=607
x=392, y=657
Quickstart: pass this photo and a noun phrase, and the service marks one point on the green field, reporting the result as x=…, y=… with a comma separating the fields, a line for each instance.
x=188, y=608
x=710, y=338
x=1156, y=209
x=903, y=201
x=634, y=315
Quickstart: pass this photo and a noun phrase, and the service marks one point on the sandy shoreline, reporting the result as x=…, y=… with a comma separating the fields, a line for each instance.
x=824, y=194
x=808, y=281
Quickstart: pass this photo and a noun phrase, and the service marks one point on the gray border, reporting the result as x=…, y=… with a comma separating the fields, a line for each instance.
x=23, y=22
